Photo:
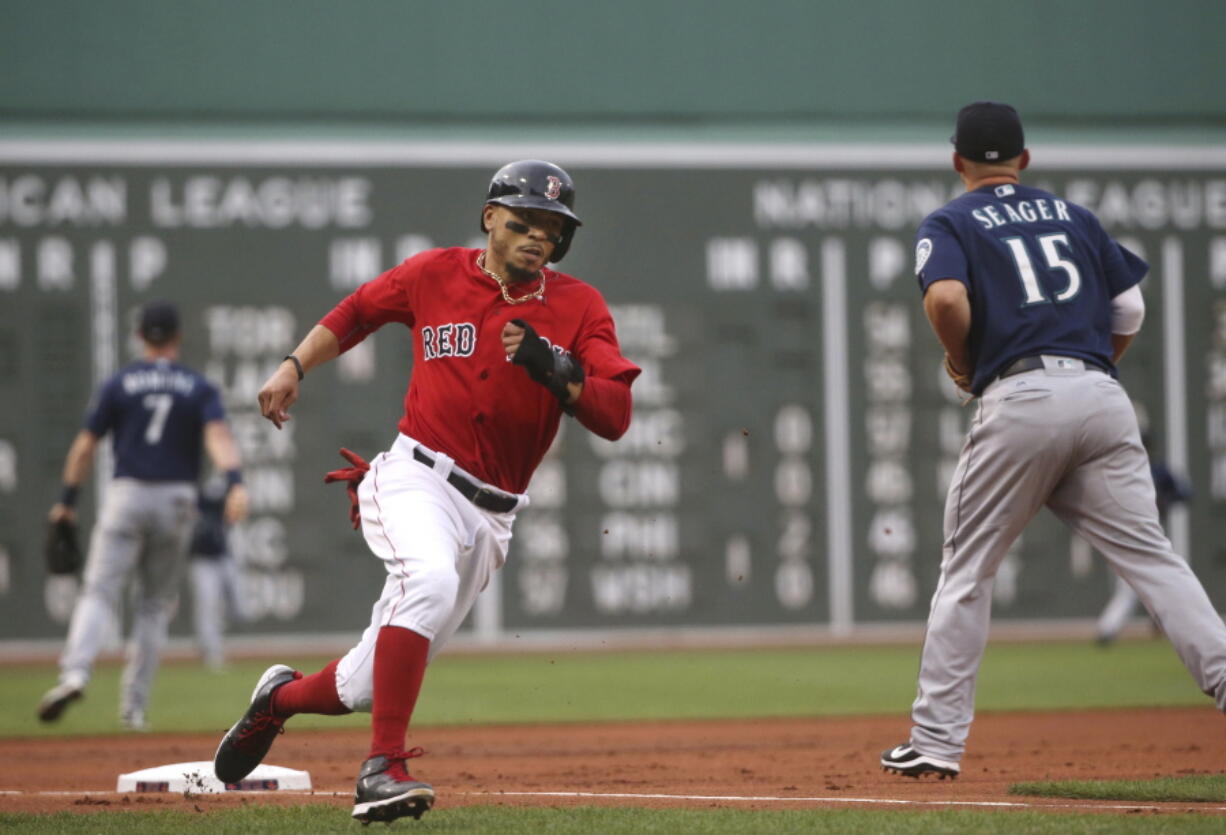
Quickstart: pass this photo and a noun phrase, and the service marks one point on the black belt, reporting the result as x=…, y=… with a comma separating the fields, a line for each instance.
x=1025, y=364
x=476, y=492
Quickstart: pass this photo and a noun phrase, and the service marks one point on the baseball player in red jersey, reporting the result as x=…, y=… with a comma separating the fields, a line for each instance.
x=502, y=347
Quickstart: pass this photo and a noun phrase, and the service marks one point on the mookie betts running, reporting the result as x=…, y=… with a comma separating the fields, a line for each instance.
x=502, y=347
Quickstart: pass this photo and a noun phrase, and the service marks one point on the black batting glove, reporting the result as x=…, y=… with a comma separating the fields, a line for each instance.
x=552, y=369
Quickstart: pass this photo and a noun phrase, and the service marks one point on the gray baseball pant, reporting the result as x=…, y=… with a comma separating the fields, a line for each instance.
x=142, y=532
x=1118, y=611
x=1067, y=438
x=215, y=598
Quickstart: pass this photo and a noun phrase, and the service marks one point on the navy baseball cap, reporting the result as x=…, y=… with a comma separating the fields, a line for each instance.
x=988, y=131
x=159, y=322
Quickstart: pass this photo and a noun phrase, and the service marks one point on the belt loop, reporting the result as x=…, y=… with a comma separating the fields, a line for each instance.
x=443, y=464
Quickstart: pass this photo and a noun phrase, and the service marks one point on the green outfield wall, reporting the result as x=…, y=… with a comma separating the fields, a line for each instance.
x=793, y=431
x=551, y=63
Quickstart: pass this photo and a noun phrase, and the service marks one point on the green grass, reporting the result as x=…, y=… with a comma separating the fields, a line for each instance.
x=1199, y=788
x=560, y=687
x=612, y=821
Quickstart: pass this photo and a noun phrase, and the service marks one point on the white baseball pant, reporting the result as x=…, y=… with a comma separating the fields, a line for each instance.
x=439, y=550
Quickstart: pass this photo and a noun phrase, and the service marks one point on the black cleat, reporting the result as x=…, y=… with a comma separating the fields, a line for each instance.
x=908, y=762
x=386, y=791
x=245, y=745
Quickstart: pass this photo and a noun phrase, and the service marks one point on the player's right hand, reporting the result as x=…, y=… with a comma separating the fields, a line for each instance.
x=278, y=394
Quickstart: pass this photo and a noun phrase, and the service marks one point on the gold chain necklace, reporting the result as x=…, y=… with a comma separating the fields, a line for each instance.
x=538, y=293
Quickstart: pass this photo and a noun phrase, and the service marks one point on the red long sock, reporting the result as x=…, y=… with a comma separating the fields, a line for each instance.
x=400, y=666
x=315, y=693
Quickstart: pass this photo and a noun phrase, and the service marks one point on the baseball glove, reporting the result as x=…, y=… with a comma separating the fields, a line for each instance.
x=962, y=379
x=62, y=552
x=552, y=369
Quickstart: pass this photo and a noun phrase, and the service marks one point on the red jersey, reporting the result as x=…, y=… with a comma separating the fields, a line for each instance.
x=465, y=398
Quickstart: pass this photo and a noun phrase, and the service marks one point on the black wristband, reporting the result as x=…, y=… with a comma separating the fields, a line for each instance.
x=233, y=477
x=297, y=365
x=68, y=498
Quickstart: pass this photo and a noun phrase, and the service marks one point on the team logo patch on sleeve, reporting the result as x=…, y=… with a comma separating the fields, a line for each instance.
x=923, y=249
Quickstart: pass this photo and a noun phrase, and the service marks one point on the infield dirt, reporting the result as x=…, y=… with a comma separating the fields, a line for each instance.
x=819, y=762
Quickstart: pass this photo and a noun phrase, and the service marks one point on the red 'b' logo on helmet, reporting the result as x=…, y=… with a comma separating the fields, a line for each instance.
x=554, y=188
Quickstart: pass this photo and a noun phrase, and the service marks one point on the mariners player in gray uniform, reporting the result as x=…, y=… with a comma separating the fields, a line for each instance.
x=159, y=414
x=213, y=573
x=1034, y=305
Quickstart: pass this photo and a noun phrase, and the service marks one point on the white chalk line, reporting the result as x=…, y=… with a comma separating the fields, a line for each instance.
x=86, y=793
x=848, y=800
x=887, y=801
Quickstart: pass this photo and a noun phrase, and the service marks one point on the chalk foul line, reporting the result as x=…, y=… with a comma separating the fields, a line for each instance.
x=866, y=801
x=848, y=800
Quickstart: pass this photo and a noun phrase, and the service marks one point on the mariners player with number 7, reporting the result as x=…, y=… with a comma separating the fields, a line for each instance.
x=1035, y=304
x=502, y=347
x=160, y=415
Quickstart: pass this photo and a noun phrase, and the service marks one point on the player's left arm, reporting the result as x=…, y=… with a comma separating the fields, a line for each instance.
x=1127, y=313
x=1123, y=271
x=223, y=451
x=948, y=308
x=592, y=382
x=604, y=404
x=219, y=443
x=561, y=374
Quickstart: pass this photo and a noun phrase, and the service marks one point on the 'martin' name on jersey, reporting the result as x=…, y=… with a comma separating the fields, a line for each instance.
x=1024, y=211
x=157, y=379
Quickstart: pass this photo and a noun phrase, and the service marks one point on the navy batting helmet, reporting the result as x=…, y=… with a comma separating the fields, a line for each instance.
x=535, y=184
